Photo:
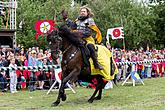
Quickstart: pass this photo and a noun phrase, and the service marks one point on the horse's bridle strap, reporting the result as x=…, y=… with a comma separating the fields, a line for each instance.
x=67, y=49
x=71, y=57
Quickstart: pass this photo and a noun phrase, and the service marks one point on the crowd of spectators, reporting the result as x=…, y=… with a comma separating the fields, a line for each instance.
x=35, y=56
x=24, y=57
x=145, y=70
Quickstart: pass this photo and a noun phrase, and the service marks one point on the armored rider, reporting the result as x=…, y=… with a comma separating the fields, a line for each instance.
x=86, y=26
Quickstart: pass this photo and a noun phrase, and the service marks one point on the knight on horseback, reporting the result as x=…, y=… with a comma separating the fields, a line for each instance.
x=85, y=26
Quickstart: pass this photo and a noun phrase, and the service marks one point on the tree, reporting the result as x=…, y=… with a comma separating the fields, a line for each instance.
x=132, y=15
x=30, y=11
x=159, y=26
x=82, y=2
x=142, y=24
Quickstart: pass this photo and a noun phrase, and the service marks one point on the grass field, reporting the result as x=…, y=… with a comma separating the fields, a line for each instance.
x=151, y=96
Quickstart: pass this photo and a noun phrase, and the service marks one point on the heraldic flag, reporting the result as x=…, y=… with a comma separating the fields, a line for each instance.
x=115, y=33
x=44, y=27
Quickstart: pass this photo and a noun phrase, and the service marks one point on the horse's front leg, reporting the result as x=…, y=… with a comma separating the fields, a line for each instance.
x=62, y=91
x=60, y=94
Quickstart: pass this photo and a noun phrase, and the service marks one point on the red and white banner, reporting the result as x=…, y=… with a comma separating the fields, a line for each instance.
x=44, y=27
x=115, y=33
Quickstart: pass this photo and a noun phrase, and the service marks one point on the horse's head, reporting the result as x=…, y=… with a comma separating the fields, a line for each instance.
x=54, y=42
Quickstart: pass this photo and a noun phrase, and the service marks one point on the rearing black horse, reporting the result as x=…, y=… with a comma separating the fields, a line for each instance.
x=72, y=61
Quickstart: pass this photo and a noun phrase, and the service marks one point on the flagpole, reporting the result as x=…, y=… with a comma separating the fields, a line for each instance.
x=54, y=18
x=124, y=70
x=123, y=37
x=124, y=44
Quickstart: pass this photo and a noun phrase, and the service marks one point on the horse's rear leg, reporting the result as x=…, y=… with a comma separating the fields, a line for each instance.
x=98, y=88
x=93, y=96
x=99, y=95
x=100, y=91
x=102, y=85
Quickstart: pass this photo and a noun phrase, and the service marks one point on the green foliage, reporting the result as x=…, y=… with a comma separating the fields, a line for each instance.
x=30, y=11
x=156, y=1
x=143, y=25
x=159, y=26
x=132, y=15
x=82, y=2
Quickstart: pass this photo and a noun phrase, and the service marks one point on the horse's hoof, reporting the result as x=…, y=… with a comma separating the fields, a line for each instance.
x=63, y=98
x=97, y=98
x=90, y=100
x=54, y=104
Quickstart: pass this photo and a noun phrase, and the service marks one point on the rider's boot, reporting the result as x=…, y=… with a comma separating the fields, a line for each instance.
x=95, y=61
x=94, y=57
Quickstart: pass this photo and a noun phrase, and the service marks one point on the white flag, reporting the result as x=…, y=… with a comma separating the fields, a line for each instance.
x=116, y=33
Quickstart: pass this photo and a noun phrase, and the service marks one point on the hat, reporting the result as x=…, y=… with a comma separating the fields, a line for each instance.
x=33, y=51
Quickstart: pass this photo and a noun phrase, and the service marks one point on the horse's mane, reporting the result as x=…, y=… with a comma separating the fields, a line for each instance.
x=72, y=37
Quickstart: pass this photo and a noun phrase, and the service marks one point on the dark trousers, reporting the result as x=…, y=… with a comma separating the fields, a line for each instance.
x=3, y=83
x=139, y=71
x=32, y=81
x=91, y=48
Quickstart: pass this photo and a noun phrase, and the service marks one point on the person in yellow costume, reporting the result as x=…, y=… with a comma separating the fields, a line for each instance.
x=86, y=26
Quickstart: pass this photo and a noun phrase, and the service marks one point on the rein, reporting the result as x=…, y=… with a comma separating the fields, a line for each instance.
x=72, y=55
x=57, y=49
x=67, y=49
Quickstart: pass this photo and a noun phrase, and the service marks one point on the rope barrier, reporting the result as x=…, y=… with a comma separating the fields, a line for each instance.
x=35, y=68
x=141, y=62
x=48, y=67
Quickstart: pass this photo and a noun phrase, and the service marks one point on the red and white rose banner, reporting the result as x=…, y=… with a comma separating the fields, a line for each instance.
x=44, y=27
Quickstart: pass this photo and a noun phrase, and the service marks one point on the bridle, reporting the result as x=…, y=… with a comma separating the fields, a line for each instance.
x=57, y=40
x=67, y=48
x=58, y=48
